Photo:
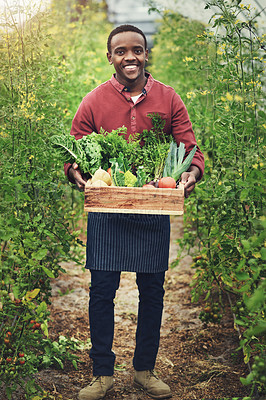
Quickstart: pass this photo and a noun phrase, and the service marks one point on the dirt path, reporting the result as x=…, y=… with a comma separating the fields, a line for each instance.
x=197, y=362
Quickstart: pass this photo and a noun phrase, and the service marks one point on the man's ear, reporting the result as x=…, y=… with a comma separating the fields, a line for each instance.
x=146, y=55
x=109, y=57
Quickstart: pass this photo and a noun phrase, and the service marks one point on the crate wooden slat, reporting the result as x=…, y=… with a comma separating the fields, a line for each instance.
x=114, y=199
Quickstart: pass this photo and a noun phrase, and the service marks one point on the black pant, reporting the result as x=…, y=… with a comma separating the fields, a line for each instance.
x=101, y=315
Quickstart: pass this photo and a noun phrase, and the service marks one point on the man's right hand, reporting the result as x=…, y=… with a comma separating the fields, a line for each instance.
x=75, y=174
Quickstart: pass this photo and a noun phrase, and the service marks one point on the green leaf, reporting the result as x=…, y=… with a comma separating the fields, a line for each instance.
x=258, y=330
x=242, y=276
x=48, y=272
x=257, y=299
x=141, y=177
x=41, y=307
x=174, y=164
x=244, y=195
x=32, y=294
x=246, y=244
x=263, y=253
x=248, y=380
x=40, y=254
x=59, y=362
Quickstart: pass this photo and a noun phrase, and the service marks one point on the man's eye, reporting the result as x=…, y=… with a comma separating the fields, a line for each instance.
x=120, y=52
x=137, y=51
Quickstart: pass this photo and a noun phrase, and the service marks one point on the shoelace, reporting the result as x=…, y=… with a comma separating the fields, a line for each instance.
x=153, y=373
x=94, y=379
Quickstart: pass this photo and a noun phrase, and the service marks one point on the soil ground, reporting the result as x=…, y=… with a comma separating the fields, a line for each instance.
x=197, y=362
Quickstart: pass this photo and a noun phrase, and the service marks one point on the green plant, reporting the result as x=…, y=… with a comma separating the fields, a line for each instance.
x=222, y=80
x=36, y=208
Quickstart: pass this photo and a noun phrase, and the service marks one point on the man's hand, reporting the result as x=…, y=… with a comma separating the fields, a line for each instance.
x=189, y=179
x=75, y=174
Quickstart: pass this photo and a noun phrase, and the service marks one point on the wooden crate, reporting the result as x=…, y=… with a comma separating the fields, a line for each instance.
x=114, y=199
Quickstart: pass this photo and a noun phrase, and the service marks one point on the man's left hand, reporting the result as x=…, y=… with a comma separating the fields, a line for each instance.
x=189, y=179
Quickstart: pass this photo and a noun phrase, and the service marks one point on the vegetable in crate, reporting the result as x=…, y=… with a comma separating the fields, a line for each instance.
x=153, y=152
x=93, y=151
x=175, y=164
x=86, y=152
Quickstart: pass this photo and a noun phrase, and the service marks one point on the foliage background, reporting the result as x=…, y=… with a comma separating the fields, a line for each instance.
x=219, y=71
x=47, y=65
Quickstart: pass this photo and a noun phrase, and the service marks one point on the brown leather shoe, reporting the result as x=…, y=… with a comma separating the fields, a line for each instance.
x=151, y=384
x=99, y=387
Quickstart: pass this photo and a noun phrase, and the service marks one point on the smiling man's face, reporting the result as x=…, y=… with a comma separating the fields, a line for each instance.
x=128, y=55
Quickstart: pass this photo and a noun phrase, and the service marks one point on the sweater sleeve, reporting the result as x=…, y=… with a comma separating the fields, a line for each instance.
x=82, y=125
x=182, y=132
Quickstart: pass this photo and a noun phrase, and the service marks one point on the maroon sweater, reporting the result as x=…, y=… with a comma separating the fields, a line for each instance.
x=110, y=106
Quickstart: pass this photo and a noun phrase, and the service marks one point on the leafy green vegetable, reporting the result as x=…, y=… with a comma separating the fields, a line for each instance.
x=147, y=150
x=66, y=147
x=90, y=156
x=154, y=150
x=114, y=142
x=94, y=151
x=174, y=164
x=118, y=168
x=86, y=152
x=141, y=177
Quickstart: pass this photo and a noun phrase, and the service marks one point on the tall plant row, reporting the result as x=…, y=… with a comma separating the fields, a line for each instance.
x=219, y=72
x=48, y=63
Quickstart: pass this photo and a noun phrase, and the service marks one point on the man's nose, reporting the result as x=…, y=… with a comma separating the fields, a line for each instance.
x=130, y=55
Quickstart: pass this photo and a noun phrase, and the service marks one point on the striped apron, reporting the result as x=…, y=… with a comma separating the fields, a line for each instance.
x=128, y=242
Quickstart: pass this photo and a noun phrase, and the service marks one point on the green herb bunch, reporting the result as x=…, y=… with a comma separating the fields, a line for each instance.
x=152, y=154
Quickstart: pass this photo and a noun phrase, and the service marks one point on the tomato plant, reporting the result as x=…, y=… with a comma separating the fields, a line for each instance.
x=38, y=210
x=218, y=70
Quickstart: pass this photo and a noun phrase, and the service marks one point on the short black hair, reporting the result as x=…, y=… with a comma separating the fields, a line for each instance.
x=124, y=28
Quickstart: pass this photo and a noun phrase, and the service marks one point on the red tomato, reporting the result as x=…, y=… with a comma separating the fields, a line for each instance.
x=109, y=171
x=167, y=182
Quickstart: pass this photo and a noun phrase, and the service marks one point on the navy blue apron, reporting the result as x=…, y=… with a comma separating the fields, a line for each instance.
x=128, y=242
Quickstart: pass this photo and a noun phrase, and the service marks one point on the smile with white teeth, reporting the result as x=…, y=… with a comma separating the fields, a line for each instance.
x=130, y=67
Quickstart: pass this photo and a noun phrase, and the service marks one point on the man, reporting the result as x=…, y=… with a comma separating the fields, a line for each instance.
x=127, y=242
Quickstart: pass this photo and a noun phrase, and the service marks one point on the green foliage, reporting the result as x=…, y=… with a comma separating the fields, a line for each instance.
x=154, y=149
x=58, y=352
x=95, y=150
x=175, y=164
x=219, y=71
x=38, y=65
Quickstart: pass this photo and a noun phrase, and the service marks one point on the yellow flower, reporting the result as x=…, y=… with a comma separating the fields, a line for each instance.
x=191, y=95
x=238, y=98
x=187, y=59
x=229, y=96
